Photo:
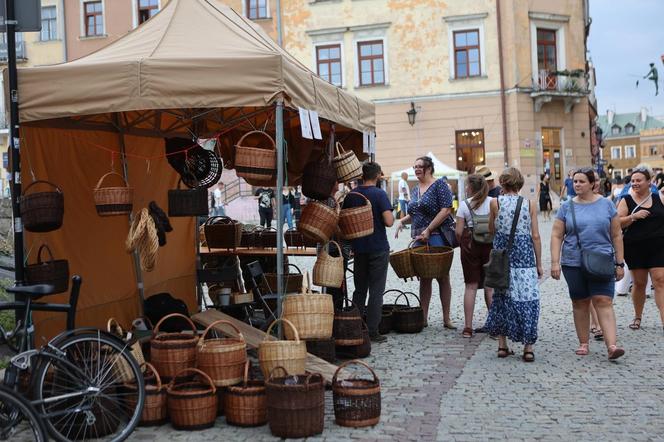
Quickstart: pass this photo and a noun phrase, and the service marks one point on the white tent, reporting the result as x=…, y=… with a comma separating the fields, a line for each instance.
x=440, y=170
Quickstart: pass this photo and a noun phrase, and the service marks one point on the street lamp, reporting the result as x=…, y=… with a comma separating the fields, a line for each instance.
x=610, y=170
x=411, y=114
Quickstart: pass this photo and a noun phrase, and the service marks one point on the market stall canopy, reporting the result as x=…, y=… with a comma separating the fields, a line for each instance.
x=440, y=170
x=194, y=54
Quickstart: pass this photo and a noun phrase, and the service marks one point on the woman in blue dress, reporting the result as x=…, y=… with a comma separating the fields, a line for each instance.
x=429, y=209
x=514, y=312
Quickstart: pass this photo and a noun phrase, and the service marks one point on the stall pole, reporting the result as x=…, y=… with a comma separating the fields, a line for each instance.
x=279, y=123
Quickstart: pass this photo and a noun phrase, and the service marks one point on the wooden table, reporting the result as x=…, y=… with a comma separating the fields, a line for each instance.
x=243, y=251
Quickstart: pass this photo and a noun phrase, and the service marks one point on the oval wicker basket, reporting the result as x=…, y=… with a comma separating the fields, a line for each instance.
x=318, y=221
x=402, y=263
x=347, y=326
x=356, y=400
x=222, y=359
x=311, y=314
x=408, y=319
x=291, y=355
x=222, y=232
x=347, y=165
x=356, y=222
x=319, y=178
x=42, y=211
x=329, y=270
x=192, y=405
x=432, y=261
x=113, y=200
x=245, y=405
x=256, y=163
x=171, y=353
x=155, y=410
x=54, y=271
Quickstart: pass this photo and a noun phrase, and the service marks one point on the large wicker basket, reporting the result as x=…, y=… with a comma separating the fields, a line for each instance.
x=356, y=400
x=222, y=359
x=113, y=200
x=192, y=405
x=311, y=314
x=222, y=232
x=318, y=178
x=432, y=261
x=42, y=211
x=245, y=405
x=171, y=353
x=402, y=263
x=295, y=404
x=54, y=271
x=347, y=327
x=408, y=319
x=155, y=411
x=187, y=202
x=256, y=163
x=292, y=355
x=318, y=221
x=347, y=165
x=329, y=270
x=356, y=222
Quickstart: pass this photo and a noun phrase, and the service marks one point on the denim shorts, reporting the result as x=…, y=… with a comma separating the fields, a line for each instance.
x=580, y=287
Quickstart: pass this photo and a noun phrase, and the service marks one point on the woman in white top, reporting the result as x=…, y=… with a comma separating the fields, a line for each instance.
x=472, y=231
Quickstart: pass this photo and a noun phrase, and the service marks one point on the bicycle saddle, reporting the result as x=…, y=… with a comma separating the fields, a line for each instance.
x=32, y=290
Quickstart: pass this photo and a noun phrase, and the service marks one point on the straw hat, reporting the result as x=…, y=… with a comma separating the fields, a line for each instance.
x=486, y=172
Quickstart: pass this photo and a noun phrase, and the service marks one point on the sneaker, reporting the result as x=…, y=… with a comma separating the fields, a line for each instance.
x=622, y=294
x=377, y=337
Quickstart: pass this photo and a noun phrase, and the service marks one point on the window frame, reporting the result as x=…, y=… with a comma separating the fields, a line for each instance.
x=546, y=43
x=481, y=144
x=550, y=24
x=360, y=58
x=246, y=6
x=340, y=60
x=148, y=8
x=629, y=148
x=84, y=20
x=52, y=23
x=466, y=49
x=616, y=157
x=616, y=130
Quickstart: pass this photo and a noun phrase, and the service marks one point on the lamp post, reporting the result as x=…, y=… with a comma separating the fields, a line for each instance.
x=411, y=114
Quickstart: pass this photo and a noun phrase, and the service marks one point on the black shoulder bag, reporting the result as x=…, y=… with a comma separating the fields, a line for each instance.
x=497, y=270
x=596, y=265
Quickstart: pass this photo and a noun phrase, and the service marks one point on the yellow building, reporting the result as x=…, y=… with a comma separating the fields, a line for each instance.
x=487, y=86
x=652, y=148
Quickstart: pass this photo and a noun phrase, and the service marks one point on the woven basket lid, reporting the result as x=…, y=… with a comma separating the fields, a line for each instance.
x=205, y=166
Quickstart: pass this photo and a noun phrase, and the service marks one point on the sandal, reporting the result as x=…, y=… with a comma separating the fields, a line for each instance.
x=636, y=324
x=528, y=356
x=504, y=352
x=615, y=352
x=449, y=325
x=583, y=349
x=597, y=333
x=467, y=332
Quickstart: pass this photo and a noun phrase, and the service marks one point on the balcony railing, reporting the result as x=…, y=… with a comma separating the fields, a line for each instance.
x=565, y=82
x=20, y=51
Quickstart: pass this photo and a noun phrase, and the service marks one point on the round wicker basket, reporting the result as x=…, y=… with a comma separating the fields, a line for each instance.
x=329, y=270
x=356, y=401
x=311, y=314
x=432, y=261
x=291, y=355
x=318, y=221
x=192, y=405
x=222, y=359
x=356, y=222
x=245, y=405
x=113, y=200
x=171, y=353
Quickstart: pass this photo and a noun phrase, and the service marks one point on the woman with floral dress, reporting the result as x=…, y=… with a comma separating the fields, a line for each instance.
x=514, y=312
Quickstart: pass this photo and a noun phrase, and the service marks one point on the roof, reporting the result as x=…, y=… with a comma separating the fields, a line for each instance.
x=192, y=54
x=623, y=120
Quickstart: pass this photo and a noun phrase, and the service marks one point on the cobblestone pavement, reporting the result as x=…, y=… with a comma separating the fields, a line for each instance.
x=439, y=386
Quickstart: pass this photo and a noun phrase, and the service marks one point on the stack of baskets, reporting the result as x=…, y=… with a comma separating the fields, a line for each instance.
x=348, y=329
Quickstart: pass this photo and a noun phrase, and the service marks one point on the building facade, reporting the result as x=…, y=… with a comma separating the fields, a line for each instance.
x=490, y=82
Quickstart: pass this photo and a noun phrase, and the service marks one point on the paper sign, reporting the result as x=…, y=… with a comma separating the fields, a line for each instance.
x=305, y=123
x=372, y=142
x=315, y=125
x=365, y=142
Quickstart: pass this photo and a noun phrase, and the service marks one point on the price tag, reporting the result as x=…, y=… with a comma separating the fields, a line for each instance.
x=305, y=123
x=315, y=125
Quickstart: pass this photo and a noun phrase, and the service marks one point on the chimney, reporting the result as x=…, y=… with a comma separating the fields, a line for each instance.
x=644, y=114
x=609, y=116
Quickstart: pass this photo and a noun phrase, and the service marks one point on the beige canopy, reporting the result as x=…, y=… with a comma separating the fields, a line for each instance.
x=193, y=54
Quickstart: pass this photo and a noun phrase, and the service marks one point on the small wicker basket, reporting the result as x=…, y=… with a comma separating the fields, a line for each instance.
x=432, y=261
x=42, y=211
x=155, y=410
x=222, y=359
x=408, y=319
x=171, y=353
x=347, y=165
x=356, y=222
x=311, y=314
x=255, y=163
x=347, y=327
x=292, y=355
x=245, y=405
x=356, y=401
x=402, y=263
x=113, y=200
x=318, y=221
x=192, y=405
x=329, y=270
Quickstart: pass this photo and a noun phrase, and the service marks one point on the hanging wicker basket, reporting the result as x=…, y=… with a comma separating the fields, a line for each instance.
x=402, y=263
x=222, y=359
x=318, y=221
x=171, y=353
x=192, y=405
x=245, y=405
x=319, y=178
x=347, y=165
x=432, y=261
x=408, y=319
x=113, y=200
x=311, y=314
x=291, y=355
x=329, y=270
x=255, y=163
x=54, y=271
x=347, y=327
x=356, y=400
x=42, y=211
x=222, y=232
x=356, y=222
x=187, y=202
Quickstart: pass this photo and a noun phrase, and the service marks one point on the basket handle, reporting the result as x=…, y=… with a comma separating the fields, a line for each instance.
x=48, y=249
x=57, y=189
x=269, y=329
x=173, y=315
x=310, y=376
x=341, y=151
x=269, y=378
x=411, y=293
x=404, y=295
x=156, y=374
x=322, y=250
x=246, y=372
x=265, y=134
x=391, y=290
x=221, y=321
x=118, y=328
x=193, y=370
x=224, y=220
x=355, y=362
x=348, y=303
x=296, y=268
x=98, y=186
x=346, y=195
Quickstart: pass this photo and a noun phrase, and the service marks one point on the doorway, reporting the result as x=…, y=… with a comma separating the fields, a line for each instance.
x=551, y=157
x=470, y=149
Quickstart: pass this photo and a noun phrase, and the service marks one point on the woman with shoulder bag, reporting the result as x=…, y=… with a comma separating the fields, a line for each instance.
x=514, y=311
x=472, y=231
x=589, y=232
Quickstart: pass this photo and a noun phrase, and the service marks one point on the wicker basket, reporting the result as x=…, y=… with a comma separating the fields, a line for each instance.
x=249, y=236
x=347, y=327
x=171, y=353
x=329, y=270
x=292, y=281
x=362, y=350
x=432, y=261
x=54, y=271
x=222, y=232
x=267, y=238
x=386, y=320
x=245, y=405
x=356, y=401
x=296, y=239
x=155, y=411
x=408, y=319
x=312, y=315
x=187, y=202
x=113, y=200
x=255, y=163
x=222, y=359
x=356, y=222
x=402, y=263
x=42, y=211
x=292, y=355
x=192, y=405
x=319, y=178
x=295, y=404
x=318, y=221
x=322, y=348
x=122, y=368
x=347, y=165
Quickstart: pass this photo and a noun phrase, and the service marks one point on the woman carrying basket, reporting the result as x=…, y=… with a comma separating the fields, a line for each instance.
x=429, y=209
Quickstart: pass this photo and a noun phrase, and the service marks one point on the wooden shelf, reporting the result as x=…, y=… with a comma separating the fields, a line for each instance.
x=242, y=251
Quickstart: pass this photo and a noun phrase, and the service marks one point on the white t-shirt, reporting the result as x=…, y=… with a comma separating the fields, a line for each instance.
x=403, y=189
x=464, y=211
x=217, y=196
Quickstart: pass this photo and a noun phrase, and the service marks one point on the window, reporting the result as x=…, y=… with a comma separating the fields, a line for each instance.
x=256, y=9
x=467, y=53
x=372, y=62
x=629, y=128
x=653, y=150
x=328, y=63
x=49, y=25
x=630, y=151
x=616, y=152
x=470, y=149
x=615, y=130
x=546, y=58
x=617, y=174
x=94, y=15
x=147, y=9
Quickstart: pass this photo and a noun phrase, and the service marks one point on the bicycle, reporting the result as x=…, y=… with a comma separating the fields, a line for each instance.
x=84, y=384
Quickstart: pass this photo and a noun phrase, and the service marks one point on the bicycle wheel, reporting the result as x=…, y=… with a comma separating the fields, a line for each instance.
x=18, y=419
x=82, y=394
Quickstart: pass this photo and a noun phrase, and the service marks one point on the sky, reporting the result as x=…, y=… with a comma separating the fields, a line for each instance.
x=625, y=36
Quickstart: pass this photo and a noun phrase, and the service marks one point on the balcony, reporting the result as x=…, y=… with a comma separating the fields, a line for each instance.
x=568, y=86
x=20, y=51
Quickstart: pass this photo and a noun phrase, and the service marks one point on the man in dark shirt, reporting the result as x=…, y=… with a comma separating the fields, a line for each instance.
x=265, y=197
x=494, y=189
x=372, y=253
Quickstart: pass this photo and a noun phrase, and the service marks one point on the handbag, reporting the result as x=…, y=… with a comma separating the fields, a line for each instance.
x=448, y=233
x=597, y=266
x=497, y=270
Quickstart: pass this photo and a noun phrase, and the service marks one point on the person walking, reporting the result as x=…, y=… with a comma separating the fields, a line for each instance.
x=544, y=197
x=219, y=209
x=568, y=188
x=514, y=313
x=642, y=218
x=372, y=253
x=288, y=201
x=472, y=223
x=404, y=194
x=588, y=223
x=266, y=203
x=490, y=178
x=297, y=206
x=429, y=210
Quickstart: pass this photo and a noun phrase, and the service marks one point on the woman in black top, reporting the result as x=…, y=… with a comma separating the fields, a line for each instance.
x=545, y=196
x=642, y=218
